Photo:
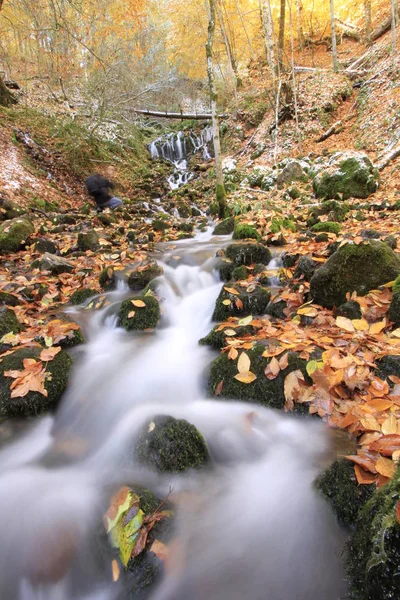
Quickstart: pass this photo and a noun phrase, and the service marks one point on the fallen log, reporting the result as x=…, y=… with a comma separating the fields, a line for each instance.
x=335, y=128
x=388, y=158
x=171, y=115
x=381, y=29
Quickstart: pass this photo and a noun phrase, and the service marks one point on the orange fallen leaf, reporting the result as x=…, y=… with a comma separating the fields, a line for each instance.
x=49, y=353
x=385, y=467
x=138, y=303
x=244, y=363
x=246, y=377
x=344, y=323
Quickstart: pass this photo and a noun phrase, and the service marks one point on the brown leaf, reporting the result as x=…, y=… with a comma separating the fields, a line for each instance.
x=219, y=388
x=387, y=444
x=385, y=467
x=49, y=353
x=292, y=388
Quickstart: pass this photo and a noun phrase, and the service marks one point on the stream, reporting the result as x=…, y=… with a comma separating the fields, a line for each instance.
x=258, y=530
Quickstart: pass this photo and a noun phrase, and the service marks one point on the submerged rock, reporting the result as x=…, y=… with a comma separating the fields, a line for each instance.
x=345, y=175
x=353, y=268
x=171, y=445
x=34, y=402
x=252, y=301
x=14, y=233
x=8, y=321
x=80, y=296
x=137, y=318
x=143, y=273
x=247, y=254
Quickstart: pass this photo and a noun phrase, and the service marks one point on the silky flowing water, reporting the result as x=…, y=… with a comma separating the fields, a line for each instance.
x=258, y=530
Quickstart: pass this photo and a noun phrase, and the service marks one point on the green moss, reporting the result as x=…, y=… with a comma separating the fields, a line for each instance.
x=13, y=233
x=279, y=223
x=337, y=211
x=359, y=268
x=8, y=321
x=305, y=268
x=171, y=445
x=145, y=272
x=105, y=219
x=34, y=402
x=220, y=196
x=108, y=279
x=217, y=339
x=339, y=485
x=346, y=177
x=373, y=553
x=264, y=391
x=240, y=273
x=144, y=318
x=275, y=309
x=328, y=226
x=8, y=299
x=242, y=304
x=88, y=241
x=160, y=225
x=80, y=296
x=248, y=254
x=225, y=270
x=243, y=231
x=394, y=309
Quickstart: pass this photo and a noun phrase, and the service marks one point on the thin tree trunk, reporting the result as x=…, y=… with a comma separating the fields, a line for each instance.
x=296, y=111
x=281, y=39
x=219, y=178
x=334, y=46
x=368, y=20
x=268, y=33
x=245, y=29
x=394, y=13
x=228, y=47
x=300, y=34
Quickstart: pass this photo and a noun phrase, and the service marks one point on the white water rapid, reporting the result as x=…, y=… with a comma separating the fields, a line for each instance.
x=257, y=530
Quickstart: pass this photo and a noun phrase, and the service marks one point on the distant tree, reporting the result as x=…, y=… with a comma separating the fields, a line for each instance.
x=281, y=39
x=368, y=19
x=268, y=33
x=6, y=97
x=334, y=45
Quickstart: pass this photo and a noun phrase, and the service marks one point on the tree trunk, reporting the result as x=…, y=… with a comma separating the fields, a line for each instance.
x=219, y=178
x=368, y=20
x=268, y=33
x=6, y=97
x=394, y=23
x=171, y=115
x=228, y=47
x=300, y=34
x=334, y=46
x=281, y=40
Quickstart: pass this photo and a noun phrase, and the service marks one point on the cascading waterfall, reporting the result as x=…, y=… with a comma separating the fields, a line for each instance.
x=176, y=147
x=259, y=529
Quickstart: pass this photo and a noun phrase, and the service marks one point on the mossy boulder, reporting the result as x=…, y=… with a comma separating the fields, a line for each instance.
x=268, y=392
x=8, y=321
x=225, y=269
x=345, y=175
x=80, y=296
x=8, y=299
x=373, y=552
x=391, y=241
x=160, y=225
x=247, y=254
x=359, y=268
x=335, y=210
x=394, y=308
x=13, y=233
x=276, y=309
x=240, y=273
x=292, y=171
x=88, y=240
x=225, y=227
x=143, y=273
x=43, y=245
x=327, y=226
x=33, y=403
x=108, y=279
x=252, y=302
x=138, y=318
x=339, y=485
x=170, y=445
x=55, y=264
x=350, y=310
x=388, y=366
x=217, y=339
x=243, y=231
x=305, y=268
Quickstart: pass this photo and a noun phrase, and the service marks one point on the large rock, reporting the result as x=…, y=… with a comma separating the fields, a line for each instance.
x=55, y=264
x=14, y=233
x=353, y=268
x=136, y=317
x=8, y=321
x=345, y=175
x=292, y=171
x=88, y=240
x=143, y=273
x=34, y=402
x=251, y=301
x=247, y=254
x=225, y=227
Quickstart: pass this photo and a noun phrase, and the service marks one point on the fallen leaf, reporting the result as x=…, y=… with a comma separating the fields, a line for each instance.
x=360, y=324
x=244, y=363
x=232, y=291
x=226, y=302
x=291, y=388
x=245, y=321
x=160, y=550
x=385, y=467
x=219, y=387
x=246, y=377
x=138, y=303
x=233, y=353
x=131, y=314
x=49, y=353
x=344, y=323
x=377, y=327
x=389, y=426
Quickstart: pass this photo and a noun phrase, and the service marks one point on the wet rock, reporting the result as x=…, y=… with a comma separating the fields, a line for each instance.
x=289, y=260
x=353, y=268
x=108, y=279
x=373, y=553
x=8, y=299
x=247, y=254
x=137, y=318
x=322, y=237
x=394, y=308
x=292, y=171
x=327, y=226
x=262, y=390
x=55, y=264
x=80, y=296
x=225, y=227
x=252, y=302
x=14, y=233
x=370, y=234
x=8, y=321
x=350, y=310
x=34, y=402
x=240, y=273
x=345, y=175
x=391, y=241
x=88, y=241
x=143, y=273
x=388, y=366
x=243, y=231
x=170, y=445
x=218, y=339
x=339, y=485
x=306, y=268
x=186, y=227
x=160, y=225
x=275, y=309
x=44, y=245
x=225, y=269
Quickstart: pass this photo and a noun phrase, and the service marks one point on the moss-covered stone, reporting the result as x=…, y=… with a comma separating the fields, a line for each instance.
x=305, y=268
x=345, y=175
x=143, y=273
x=373, y=552
x=225, y=227
x=268, y=392
x=171, y=445
x=34, y=402
x=275, y=309
x=14, y=233
x=359, y=268
x=339, y=485
x=394, y=308
x=88, y=240
x=134, y=318
x=279, y=223
x=80, y=296
x=54, y=264
x=247, y=254
x=327, y=226
x=240, y=273
x=108, y=279
x=105, y=219
x=43, y=245
x=8, y=321
x=388, y=366
x=391, y=241
x=217, y=339
x=242, y=304
x=225, y=269
x=370, y=234
x=8, y=299
x=160, y=225
x=350, y=310
x=289, y=260
x=336, y=211
x=243, y=231
x=322, y=237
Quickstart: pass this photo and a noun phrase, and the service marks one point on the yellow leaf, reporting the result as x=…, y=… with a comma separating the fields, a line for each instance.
x=233, y=354
x=243, y=364
x=377, y=327
x=246, y=377
x=229, y=332
x=138, y=303
x=308, y=311
x=396, y=332
x=245, y=321
x=385, y=467
x=360, y=324
x=226, y=302
x=131, y=314
x=344, y=323
x=389, y=425
x=231, y=291
x=115, y=570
